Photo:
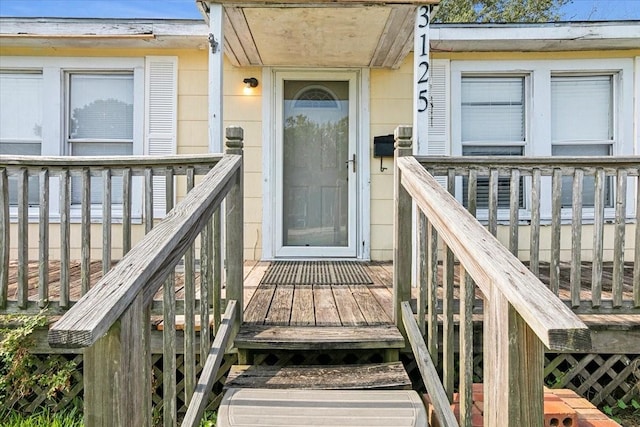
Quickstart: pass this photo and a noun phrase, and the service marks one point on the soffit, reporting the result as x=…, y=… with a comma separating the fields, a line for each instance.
x=320, y=33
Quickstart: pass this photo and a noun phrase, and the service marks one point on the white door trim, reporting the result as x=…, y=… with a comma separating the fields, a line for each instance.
x=270, y=160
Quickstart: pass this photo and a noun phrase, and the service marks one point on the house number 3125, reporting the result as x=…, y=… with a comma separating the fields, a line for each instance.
x=422, y=50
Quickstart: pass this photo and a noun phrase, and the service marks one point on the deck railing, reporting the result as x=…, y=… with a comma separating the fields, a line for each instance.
x=521, y=315
x=85, y=202
x=563, y=211
x=112, y=321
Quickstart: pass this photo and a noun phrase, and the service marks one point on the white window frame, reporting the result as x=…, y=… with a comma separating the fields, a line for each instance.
x=54, y=70
x=538, y=120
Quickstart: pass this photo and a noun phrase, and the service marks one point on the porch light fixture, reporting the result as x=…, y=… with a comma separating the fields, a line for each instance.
x=251, y=82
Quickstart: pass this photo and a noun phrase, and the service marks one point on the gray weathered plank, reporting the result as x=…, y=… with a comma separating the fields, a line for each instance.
x=156, y=254
x=325, y=306
x=576, y=238
x=598, y=238
x=106, y=220
x=491, y=265
x=302, y=312
x=430, y=378
x=618, y=238
x=556, y=219
x=316, y=338
x=43, y=252
x=85, y=238
x=23, y=237
x=391, y=375
x=534, y=249
x=65, y=236
x=200, y=398
x=4, y=231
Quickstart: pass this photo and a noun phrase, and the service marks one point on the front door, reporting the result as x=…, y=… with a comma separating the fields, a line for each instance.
x=317, y=165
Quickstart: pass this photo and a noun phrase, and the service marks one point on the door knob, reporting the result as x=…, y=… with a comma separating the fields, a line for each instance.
x=353, y=162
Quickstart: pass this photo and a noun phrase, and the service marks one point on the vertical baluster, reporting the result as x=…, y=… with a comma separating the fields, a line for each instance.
x=576, y=237
x=23, y=238
x=85, y=250
x=534, y=250
x=618, y=241
x=189, y=312
x=494, y=176
x=43, y=269
x=514, y=211
x=169, y=377
x=205, y=278
x=5, y=233
x=556, y=222
x=447, y=307
x=148, y=200
x=598, y=238
x=467, y=296
x=432, y=292
x=126, y=211
x=106, y=220
x=216, y=268
x=65, y=236
x=472, y=192
x=636, y=258
x=422, y=270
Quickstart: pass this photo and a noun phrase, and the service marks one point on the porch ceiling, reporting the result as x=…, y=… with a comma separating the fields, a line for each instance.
x=318, y=33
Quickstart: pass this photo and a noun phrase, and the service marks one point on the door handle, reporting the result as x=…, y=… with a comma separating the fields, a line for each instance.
x=353, y=163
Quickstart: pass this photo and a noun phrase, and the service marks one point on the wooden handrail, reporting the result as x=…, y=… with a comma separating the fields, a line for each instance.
x=144, y=268
x=200, y=397
x=491, y=265
x=428, y=371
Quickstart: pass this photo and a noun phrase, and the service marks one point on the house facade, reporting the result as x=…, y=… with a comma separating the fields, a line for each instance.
x=312, y=99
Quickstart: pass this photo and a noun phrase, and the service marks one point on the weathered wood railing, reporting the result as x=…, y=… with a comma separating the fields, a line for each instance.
x=82, y=216
x=521, y=315
x=112, y=321
x=564, y=211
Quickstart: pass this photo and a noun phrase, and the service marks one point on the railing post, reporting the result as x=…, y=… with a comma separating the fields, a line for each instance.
x=234, y=220
x=117, y=373
x=402, y=243
x=513, y=366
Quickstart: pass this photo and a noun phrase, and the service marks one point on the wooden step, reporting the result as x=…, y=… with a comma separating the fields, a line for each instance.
x=391, y=376
x=260, y=337
x=296, y=407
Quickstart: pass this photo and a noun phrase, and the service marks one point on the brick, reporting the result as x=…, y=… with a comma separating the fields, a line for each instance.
x=598, y=423
x=564, y=392
x=550, y=397
x=591, y=414
x=578, y=403
x=557, y=414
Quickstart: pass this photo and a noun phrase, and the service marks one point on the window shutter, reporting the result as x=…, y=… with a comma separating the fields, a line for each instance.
x=438, y=144
x=161, y=87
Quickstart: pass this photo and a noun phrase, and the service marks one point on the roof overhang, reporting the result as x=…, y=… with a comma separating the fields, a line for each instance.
x=562, y=36
x=322, y=33
x=103, y=33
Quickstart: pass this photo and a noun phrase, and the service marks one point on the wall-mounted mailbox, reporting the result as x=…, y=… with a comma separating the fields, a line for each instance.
x=383, y=146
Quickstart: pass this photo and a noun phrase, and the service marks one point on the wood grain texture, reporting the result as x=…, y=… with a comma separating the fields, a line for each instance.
x=144, y=268
x=428, y=371
x=200, y=398
x=490, y=264
x=315, y=338
x=4, y=231
x=390, y=375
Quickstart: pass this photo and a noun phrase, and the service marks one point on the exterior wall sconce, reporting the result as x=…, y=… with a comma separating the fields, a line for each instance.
x=251, y=82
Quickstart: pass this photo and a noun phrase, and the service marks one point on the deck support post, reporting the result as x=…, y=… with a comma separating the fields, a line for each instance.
x=234, y=220
x=117, y=373
x=513, y=367
x=402, y=240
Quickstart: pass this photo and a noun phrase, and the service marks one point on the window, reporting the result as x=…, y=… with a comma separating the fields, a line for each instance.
x=582, y=125
x=21, y=122
x=100, y=122
x=493, y=123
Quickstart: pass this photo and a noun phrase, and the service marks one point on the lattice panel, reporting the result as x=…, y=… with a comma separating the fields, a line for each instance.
x=37, y=399
x=600, y=378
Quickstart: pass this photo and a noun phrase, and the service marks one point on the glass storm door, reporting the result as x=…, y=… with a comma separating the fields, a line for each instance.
x=317, y=159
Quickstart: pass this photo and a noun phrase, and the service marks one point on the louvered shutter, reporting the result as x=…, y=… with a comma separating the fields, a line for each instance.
x=438, y=144
x=161, y=105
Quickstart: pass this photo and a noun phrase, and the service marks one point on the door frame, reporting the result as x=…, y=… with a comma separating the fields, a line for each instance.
x=270, y=160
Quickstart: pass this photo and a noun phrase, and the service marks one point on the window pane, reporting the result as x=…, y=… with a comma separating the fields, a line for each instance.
x=581, y=108
x=21, y=123
x=99, y=149
x=101, y=106
x=504, y=184
x=588, y=184
x=493, y=109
